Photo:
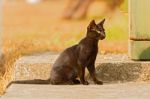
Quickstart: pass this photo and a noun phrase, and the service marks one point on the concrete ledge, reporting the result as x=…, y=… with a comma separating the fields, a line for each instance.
x=110, y=68
x=123, y=71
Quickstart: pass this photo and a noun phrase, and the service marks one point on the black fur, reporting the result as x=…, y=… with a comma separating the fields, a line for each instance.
x=72, y=62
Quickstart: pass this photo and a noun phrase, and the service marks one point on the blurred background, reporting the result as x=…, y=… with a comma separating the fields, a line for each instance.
x=33, y=26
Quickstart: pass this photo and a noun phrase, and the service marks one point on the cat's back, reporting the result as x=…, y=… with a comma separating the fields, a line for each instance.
x=68, y=56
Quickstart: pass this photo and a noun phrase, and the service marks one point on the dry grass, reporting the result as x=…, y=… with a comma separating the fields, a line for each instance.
x=6, y=70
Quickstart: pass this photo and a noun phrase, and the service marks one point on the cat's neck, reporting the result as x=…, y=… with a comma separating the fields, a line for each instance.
x=90, y=41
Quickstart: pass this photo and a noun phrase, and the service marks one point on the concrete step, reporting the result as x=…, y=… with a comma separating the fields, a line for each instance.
x=109, y=68
x=110, y=91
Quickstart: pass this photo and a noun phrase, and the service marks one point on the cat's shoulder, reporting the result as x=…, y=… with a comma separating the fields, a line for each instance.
x=72, y=48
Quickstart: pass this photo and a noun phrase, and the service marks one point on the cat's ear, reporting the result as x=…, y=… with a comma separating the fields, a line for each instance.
x=102, y=22
x=92, y=24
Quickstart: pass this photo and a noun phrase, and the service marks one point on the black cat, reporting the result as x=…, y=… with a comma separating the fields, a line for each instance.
x=72, y=62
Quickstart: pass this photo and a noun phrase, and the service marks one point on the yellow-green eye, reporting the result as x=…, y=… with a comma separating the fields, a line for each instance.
x=96, y=30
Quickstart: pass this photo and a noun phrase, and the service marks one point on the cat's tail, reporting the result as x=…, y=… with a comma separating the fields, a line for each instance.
x=35, y=81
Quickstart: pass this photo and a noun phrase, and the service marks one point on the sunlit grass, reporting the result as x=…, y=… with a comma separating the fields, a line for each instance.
x=7, y=67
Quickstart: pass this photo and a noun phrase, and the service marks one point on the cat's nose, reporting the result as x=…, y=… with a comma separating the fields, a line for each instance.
x=103, y=36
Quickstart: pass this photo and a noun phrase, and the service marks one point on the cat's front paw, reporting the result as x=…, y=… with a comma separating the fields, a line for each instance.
x=85, y=83
x=99, y=82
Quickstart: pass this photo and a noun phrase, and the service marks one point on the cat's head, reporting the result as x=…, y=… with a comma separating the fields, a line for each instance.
x=96, y=31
